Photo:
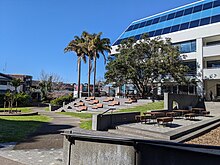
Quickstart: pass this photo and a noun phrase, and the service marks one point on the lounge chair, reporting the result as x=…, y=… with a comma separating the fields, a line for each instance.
x=82, y=108
x=90, y=98
x=94, y=102
x=79, y=104
x=109, y=99
x=113, y=103
x=97, y=106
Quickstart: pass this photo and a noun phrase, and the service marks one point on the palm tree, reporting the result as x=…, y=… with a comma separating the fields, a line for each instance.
x=88, y=38
x=77, y=45
x=16, y=83
x=99, y=46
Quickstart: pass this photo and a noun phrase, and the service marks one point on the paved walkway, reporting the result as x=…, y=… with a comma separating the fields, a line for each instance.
x=44, y=147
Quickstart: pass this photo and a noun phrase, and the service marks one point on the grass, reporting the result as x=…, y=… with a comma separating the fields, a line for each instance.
x=78, y=115
x=46, y=109
x=17, y=128
x=86, y=124
x=144, y=108
x=24, y=110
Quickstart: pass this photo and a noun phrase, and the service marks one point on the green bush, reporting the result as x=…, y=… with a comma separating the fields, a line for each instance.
x=23, y=99
x=60, y=100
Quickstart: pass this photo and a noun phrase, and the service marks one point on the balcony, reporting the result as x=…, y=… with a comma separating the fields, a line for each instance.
x=213, y=50
x=211, y=74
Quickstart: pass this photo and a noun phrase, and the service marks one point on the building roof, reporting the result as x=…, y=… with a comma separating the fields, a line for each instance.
x=189, y=16
x=6, y=76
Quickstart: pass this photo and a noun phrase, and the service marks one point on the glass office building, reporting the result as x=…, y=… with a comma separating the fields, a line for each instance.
x=195, y=28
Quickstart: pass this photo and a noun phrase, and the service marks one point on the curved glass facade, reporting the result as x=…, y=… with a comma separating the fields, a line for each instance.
x=193, y=15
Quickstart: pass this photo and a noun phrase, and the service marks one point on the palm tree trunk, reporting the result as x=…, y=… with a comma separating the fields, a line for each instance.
x=94, y=81
x=89, y=73
x=79, y=76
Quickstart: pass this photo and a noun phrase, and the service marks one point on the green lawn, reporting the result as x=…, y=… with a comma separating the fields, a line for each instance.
x=46, y=109
x=80, y=115
x=24, y=110
x=86, y=124
x=16, y=128
x=144, y=108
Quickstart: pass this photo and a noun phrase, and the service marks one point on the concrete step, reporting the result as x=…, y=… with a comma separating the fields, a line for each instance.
x=197, y=133
x=128, y=134
x=141, y=132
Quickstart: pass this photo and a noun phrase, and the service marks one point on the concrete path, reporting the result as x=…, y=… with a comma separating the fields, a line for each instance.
x=44, y=147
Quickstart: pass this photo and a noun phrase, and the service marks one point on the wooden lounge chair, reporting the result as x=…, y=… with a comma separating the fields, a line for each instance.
x=113, y=103
x=90, y=98
x=129, y=101
x=79, y=104
x=164, y=120
x=82, y=108
x=94, y=102
x=109, y=99
x=97, y=106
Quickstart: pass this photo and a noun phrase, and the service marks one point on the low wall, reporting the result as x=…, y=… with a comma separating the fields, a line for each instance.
x=94, y=147
x=184, y=101
x=106, y=121
x=54, y=107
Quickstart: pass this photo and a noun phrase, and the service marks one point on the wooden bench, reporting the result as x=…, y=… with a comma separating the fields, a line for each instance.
x=190, y=116
x=143, y=118
x=164, y=120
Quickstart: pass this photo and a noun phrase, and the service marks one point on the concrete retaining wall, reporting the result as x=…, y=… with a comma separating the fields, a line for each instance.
x=184, y=101
x=106, y=121
x=98, y=148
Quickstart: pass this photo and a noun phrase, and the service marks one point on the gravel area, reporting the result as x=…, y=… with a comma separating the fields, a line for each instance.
x=210, y=138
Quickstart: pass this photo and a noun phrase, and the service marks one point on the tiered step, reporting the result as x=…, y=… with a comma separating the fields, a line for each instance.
x=178, y=135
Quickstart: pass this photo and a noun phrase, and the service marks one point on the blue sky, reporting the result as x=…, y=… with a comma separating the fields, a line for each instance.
x=33, y=33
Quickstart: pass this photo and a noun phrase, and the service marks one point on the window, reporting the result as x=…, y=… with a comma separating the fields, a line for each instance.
x=184, y=26
x=130, y=28
x=156, y=20
x=149, y=22
x=136, y=26
x=187, y=46
x=170, y=16
x=213, y=43
x=194, y=24
x=142, y=24
x=192, y=67
x=213, y=64
x=164, y=18
x=151, y=34
x=158, y=32
x=215, y=19
x=188, y=11
x=166, y=30
x=3, y=82
x=179, y=13
x=207, y=6
x=197, y=8
x=216, y=3
x=137, y=37
x=205, y=21
x=175, y=28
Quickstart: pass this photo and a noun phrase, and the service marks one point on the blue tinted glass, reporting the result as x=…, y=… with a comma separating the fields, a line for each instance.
x=149, y=22
x=215, y=19
x=188, y=11
x=205, y=21
x=175, y=28
x=136, y=26
x=156, y=20
x=193, y=46
x=215, y=11
x=151, y=34
x=166, y=30
x=184, y=26
x=130, y=28
x=137, y=37
x=196, y=16
x=142, y=24
x=163, y=18
x=197, y=8
x=216, y=3
x=158, y=32
x=179, y=13
x=194, y=24
x=207, y=6
x=170, y=16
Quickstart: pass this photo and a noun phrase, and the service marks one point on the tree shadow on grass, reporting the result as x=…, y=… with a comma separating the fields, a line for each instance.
x=32, y=134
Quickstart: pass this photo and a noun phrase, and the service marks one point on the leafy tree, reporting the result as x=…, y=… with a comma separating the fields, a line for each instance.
x=77, y=45
x=16, y=83
x=145, y=62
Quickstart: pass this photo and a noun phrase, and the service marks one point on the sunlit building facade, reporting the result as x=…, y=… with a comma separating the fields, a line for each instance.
x=195, y=28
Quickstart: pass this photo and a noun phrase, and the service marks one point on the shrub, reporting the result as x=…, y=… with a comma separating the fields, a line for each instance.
x=60, y=100
x=23, y=99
